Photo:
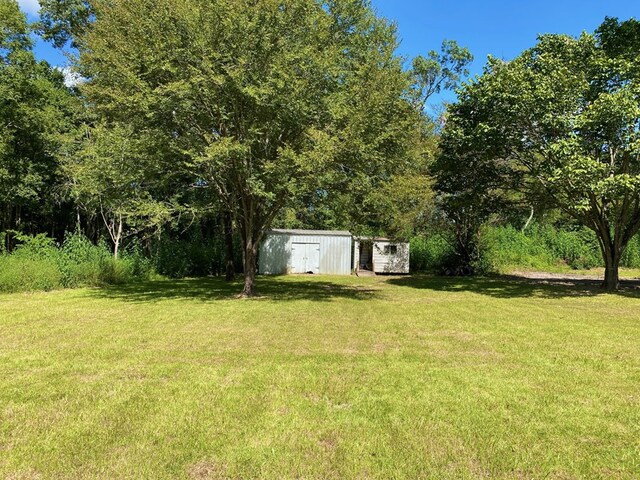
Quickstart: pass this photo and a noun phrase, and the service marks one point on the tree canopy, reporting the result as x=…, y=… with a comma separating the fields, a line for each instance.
x=559, y=122
x=35, y=107
x=261, y=101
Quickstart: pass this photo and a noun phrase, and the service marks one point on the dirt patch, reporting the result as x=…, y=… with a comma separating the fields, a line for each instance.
x=569, y=279
x=208, y=470
x=555, y=276
x=24, y=475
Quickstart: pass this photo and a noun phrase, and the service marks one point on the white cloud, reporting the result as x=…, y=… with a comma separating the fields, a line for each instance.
x=32, y=7
x=71, y=77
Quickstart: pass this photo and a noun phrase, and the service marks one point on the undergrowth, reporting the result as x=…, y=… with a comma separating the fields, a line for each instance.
x=38, y=264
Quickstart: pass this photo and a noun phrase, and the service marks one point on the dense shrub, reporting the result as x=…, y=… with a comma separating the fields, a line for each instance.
x=540, y=247
x=631, y=257
x=192, y=255
x=26, y=274
x=33, y=266
x=431, y=253
x=504, y=248
x=38, y=264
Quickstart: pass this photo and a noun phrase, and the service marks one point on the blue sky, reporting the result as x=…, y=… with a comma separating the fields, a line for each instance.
x=502, y=28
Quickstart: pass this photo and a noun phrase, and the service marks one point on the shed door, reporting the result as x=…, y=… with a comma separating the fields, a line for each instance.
x=305, y=257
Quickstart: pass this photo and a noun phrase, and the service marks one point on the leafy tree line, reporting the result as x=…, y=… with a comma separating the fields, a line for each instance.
x=236, y=116
x=256, y=113
x=35, y=109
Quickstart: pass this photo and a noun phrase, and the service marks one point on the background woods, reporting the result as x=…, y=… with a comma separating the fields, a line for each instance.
x=195, y=126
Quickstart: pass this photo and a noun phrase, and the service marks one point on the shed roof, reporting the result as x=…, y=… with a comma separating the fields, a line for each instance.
x=327, y=233
x=379, y=239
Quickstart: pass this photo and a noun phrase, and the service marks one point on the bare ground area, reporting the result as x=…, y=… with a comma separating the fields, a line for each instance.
x=577, y=279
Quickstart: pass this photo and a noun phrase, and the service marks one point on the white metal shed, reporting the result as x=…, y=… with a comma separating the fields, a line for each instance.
x=305, y=251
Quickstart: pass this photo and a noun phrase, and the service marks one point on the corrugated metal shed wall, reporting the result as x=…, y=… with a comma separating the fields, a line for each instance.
x=335, y=252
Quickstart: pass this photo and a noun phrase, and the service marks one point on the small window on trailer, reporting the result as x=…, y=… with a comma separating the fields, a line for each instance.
x=390, y=249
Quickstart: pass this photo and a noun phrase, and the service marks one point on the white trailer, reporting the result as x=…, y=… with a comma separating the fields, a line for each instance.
x=381, y=255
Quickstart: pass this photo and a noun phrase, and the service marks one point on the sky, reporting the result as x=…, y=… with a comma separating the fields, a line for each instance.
x=502, y=28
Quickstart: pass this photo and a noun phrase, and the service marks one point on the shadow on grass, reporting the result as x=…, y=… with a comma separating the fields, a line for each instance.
x=208, y=289
x=508, y=286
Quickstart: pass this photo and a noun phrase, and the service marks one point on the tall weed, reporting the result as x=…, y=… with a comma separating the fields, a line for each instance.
x=39, y=264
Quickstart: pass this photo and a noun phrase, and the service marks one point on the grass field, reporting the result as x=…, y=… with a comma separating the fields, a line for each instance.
x=324, y=377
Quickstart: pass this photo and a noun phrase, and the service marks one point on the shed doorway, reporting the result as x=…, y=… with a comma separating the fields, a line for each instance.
x=305, y=258
x=365, y=256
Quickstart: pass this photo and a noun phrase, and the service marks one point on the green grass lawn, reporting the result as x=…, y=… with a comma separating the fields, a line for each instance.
x=324, y=377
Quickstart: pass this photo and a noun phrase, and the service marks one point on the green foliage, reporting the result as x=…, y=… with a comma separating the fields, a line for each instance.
x=439, y=71
x=192, y=254
x=21, y=273
x=111, y=175
x=559, y=122
x=35, y=107
x=505, y=248
x=430, y=254
x=540, y=247
x=38, y=264
x=620, y=39
x=63, y=21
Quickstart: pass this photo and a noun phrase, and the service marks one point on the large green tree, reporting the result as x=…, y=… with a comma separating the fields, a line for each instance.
x=560, y=122
x=35, y=107
x=259, y=100
x=397, y=201
x=111, y=176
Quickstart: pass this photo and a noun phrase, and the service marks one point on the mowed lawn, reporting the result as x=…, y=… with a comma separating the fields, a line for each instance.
x=323, y=377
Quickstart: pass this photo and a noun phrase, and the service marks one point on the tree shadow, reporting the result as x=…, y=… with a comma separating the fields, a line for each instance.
x=211, y=289
x=510, y=286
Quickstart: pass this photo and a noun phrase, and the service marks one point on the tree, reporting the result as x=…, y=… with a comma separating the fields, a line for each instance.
x=63, y=22
x=34, y=107
x=560, y=122
x=620, y=39
x=259, y=100
x=109, y=173
x=399, y=200
x=439, y=71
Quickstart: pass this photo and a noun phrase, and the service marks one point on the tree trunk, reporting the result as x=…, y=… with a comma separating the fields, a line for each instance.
x=529, y=220
x=116, y=239
x=611, y=273
x=250, y=262
x=228, y=247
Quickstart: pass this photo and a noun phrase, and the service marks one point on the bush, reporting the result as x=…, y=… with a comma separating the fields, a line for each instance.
x=21, y=274
x=430, y=254
x=81, y=262
x=631, y=257
x=192, y=255
x=38, y=264
x=172, y=258
x=540, y=247
x=503, y=247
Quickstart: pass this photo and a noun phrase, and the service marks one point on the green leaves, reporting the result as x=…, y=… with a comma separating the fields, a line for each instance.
x=64, y=21
x=567, y=113
x=439, y=71
x=35, y=107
